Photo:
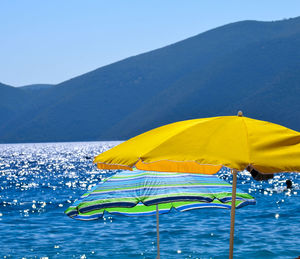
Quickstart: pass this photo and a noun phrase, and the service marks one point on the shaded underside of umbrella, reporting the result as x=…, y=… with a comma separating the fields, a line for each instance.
x=134, y=193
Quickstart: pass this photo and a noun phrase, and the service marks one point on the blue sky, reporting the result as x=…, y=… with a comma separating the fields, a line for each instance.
x=52, y=41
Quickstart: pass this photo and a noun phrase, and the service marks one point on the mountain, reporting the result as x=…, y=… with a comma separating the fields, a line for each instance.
x=35, y=87
x=249, y=65
x=12, y=100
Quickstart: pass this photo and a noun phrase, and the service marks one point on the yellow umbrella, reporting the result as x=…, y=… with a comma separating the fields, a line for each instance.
x=205, y=145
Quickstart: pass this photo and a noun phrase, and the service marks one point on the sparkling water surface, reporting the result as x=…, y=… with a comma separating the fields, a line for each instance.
x=39, y=181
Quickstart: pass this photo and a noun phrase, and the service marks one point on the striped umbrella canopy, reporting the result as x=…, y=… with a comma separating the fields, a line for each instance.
x=134, y=193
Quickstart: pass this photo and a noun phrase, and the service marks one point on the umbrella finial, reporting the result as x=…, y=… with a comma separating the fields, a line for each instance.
x=240, y=114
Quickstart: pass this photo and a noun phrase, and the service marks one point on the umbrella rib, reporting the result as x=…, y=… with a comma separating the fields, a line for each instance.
x=177, y=162
x=173, y=136
x=247, y=140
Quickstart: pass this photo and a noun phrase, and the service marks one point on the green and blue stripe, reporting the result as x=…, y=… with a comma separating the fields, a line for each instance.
x=135, y=193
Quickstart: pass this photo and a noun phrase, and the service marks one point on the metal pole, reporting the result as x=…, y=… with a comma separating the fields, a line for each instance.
x=157, y=231
x=234, y=173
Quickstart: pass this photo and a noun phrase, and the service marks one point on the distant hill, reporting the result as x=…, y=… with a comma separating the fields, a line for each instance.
x=35, y=87
x=249, y=65
x=12, y=101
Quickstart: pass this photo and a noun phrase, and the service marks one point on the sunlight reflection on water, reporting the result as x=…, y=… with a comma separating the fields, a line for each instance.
x=39, y=181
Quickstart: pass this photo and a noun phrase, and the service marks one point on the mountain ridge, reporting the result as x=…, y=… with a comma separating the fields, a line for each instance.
x=214, y=73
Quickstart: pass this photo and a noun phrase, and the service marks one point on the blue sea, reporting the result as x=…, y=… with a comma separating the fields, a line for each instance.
x=39, y=181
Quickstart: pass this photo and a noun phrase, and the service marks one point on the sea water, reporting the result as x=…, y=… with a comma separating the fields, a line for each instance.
x=39, y=181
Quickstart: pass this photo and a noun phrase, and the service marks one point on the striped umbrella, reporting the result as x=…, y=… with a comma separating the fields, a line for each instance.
x=134, y=193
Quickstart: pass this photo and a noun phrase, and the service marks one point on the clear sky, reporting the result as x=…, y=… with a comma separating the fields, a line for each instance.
x=55, y=40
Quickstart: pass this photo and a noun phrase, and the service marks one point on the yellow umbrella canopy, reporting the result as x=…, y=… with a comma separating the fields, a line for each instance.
x=205, y=145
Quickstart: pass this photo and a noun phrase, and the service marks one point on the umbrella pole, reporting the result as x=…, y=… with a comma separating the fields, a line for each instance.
x=157, y=231
x=232, y=213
